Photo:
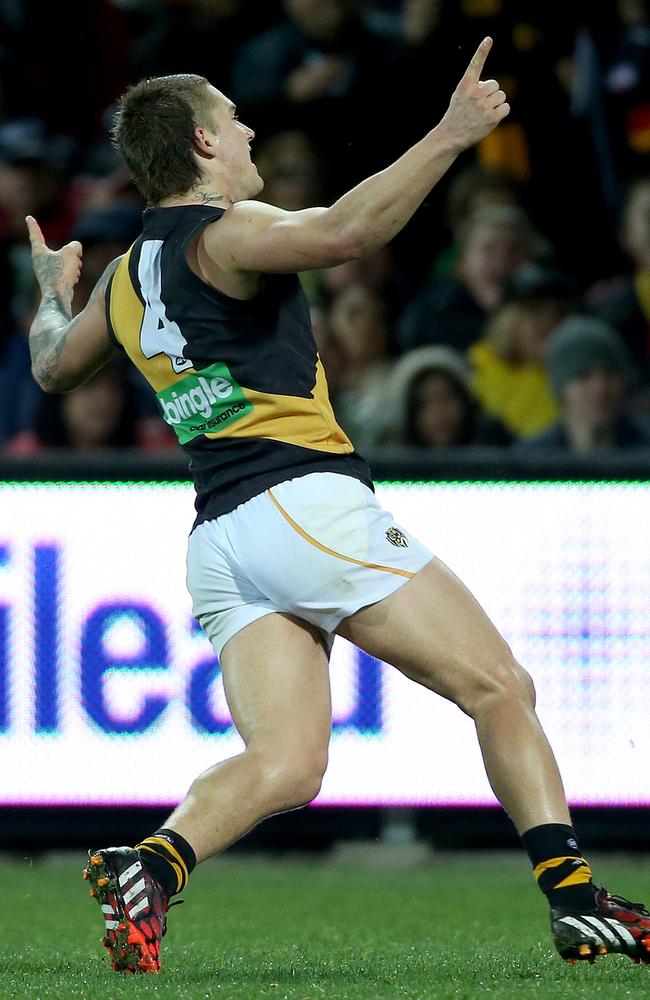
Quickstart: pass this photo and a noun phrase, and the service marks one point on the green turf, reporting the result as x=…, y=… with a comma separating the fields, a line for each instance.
x=458, y=928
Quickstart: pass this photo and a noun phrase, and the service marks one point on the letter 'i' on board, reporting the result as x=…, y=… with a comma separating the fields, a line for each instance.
x=46, y=638
x=44, y=613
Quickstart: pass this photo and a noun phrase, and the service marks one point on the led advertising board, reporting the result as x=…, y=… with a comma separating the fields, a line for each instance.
x=100, y=657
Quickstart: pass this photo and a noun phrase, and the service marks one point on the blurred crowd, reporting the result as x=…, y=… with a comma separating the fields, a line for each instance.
x=513, y=311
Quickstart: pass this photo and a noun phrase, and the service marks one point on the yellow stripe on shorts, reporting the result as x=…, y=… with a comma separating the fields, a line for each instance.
x=332, y=552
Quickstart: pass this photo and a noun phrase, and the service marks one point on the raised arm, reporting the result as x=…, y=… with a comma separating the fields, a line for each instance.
x=256, y=237
x=66, y=351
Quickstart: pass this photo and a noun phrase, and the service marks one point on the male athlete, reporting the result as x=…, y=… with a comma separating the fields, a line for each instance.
x=290, y=546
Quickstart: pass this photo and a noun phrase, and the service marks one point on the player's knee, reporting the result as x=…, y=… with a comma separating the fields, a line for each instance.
x=294, y=779
x=504, y=679
x=512, y=681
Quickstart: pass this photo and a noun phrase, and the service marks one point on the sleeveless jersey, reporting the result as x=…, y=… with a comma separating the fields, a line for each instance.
x=240, y=382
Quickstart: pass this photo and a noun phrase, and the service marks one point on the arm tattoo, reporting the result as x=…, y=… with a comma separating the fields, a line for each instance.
x=47, y=336
x=53, y=321
x=48, y=270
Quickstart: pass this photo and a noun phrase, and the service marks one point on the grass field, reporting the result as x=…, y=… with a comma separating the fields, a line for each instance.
x=461, y=927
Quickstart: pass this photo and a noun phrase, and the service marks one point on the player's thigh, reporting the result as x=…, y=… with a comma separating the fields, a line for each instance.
x=436, y=632
x=276, y=680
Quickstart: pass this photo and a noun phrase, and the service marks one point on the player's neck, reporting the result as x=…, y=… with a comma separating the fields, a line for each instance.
x=198, y=196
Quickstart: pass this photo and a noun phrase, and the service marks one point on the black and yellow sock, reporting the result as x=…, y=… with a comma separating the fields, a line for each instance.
x=169, y=858
x=562, y=873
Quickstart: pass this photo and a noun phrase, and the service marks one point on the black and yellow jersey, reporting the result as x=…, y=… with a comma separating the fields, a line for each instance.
x=240, y=382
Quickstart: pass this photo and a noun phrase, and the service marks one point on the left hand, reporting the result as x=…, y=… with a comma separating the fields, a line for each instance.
x=57, y=271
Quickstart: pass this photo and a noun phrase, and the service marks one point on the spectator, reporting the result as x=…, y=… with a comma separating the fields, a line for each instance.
x=196, y=36
x=625, y=302
x=19, y=393
x=590, y=371
x=330, y=352
x=292, y=171
x=105, y=233
x=472, y=189
x=358, y=325
x=431, y=403
x=35, y=168
x=324, y=69
x=531, y=41
x=510, y=378
x=626, y=76
x=379, y=273
x=104, y=177
x=99, y=414
x=496, y=241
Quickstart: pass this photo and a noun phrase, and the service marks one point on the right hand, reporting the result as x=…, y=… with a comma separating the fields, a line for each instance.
x=57, y=271
x=477, y=106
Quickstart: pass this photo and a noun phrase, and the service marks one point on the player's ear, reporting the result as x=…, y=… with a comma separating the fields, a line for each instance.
x=204, y=143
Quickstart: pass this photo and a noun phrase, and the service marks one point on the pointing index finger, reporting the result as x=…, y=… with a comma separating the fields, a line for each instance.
x=477, y=63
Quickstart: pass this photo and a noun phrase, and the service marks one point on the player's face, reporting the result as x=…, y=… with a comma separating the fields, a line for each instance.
x=234, y=139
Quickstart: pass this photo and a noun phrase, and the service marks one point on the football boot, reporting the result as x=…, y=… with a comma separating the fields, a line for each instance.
x=134, y=907
x=613, y=926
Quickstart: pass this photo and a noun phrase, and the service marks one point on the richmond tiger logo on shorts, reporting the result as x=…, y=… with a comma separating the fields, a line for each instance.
x=397, y=537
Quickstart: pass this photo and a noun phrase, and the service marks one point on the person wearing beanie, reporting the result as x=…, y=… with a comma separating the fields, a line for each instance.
x=590, y=371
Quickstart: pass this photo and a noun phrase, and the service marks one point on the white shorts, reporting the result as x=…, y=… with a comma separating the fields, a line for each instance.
x=319, y=547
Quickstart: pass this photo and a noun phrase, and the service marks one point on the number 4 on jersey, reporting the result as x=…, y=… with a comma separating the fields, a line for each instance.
x=158, y=334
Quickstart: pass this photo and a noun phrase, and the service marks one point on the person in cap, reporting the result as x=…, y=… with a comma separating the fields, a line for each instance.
x=590, y=371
